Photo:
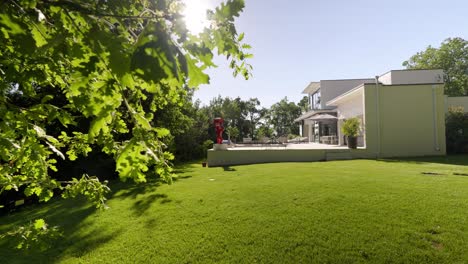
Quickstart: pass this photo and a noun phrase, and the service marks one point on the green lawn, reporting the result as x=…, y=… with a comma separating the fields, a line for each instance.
x=318, y=212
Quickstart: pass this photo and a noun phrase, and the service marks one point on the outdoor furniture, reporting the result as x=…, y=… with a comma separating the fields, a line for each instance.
x=293, y=140
x=299, y=140
x=283, y=140
x=330, y=140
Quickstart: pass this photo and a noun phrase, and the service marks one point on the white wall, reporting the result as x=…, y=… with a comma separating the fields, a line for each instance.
x=240, y=156
x=350, y=106
x=331, y=89
x=386, y=78
x=412, y=77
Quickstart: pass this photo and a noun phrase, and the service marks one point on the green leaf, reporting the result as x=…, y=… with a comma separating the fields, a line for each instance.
x=241, y=37
x=38, y=37
x=39, y=224
x=47, y=98
x=246, y=46
x=195, y=74
x=99, y=124
x=66, y=119
x=128, y=81
x=46, y=195
x=131, y=162
x=8, y=143
x=155, y=55
x=33, y=189
x=9, y=26
x=162, y=132
x=142, y=121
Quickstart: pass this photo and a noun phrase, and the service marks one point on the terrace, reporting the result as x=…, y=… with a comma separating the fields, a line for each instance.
x=287, y=152
x=283, y=146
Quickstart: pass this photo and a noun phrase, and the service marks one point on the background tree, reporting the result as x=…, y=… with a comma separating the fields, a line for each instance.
x=233, y=133
x=189, y=132
x=243, y=115
x=253, y=114
x=233, y=109
x=264, y=130
x=226, y=108
x=304, y=104
x=116, y=64
x=282, y=115
x=452, y=57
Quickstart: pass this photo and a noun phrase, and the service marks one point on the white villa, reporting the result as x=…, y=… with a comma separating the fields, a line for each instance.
x=320, y=124
x=401, y=112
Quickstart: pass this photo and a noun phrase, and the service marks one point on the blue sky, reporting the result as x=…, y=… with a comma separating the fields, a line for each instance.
x=296, y=42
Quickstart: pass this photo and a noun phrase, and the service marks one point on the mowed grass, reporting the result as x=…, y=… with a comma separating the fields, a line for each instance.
x=361, y=211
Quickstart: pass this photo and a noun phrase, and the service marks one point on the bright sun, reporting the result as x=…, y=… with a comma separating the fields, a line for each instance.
x=195, y=15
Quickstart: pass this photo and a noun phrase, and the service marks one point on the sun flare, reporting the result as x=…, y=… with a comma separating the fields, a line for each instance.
x=195, y=15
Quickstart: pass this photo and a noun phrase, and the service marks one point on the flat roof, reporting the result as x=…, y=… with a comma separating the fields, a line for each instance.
x=311, y=88
x=354, y=79
x=411, y=70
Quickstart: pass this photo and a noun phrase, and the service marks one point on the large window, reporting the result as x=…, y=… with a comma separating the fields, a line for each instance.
x=316, y=101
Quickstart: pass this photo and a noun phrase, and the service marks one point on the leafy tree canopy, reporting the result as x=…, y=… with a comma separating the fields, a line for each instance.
x=452, y=57
x=304, y=104
x=282, y=116
x=114, y=63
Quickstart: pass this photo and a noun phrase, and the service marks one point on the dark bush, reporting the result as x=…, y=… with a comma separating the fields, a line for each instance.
x=456, y=131
x=96, y=164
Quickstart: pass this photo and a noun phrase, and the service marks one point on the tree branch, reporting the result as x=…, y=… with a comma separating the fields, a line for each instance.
x=72, y=6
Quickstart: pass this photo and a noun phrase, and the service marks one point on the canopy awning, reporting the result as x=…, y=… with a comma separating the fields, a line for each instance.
x=311, y=113
x=321, y=117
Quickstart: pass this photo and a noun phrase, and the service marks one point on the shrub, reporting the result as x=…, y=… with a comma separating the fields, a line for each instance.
x=456, y=131
x=351, y=127
x=208, y=144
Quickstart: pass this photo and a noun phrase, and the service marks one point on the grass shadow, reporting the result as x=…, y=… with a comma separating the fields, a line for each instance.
x=228, y=168
x=142, y=205
x=72, y=217
x=177, y=178
x=181, y=168
x=69, y=215
x=131, y=189
x=461, y=160
x=181, y=171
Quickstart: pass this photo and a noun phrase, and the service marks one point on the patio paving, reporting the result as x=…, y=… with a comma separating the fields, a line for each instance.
x=310, y=145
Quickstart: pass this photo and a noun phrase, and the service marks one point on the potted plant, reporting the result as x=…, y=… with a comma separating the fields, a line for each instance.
x=351, y=129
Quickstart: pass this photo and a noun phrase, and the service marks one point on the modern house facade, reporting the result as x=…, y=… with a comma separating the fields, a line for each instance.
x=401, y=112
x=319, y=124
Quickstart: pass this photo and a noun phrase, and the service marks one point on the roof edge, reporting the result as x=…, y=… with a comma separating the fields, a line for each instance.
x=341, y=96
x=313, y=112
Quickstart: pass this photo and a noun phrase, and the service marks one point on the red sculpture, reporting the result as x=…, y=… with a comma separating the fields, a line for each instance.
x=218, y=123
